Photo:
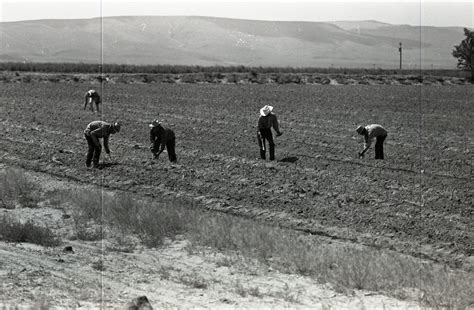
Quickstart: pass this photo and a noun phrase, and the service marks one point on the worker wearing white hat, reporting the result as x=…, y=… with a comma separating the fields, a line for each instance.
x=266, y=121
x=92, y=96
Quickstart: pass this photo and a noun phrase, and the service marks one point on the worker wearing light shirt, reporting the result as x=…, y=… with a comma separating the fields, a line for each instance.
x=370, y=132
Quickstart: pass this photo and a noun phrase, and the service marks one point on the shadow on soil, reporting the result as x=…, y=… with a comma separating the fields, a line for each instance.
x=106, y=165
x=291, y=159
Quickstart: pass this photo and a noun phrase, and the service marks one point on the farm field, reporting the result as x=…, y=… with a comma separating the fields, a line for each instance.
x=418, y=201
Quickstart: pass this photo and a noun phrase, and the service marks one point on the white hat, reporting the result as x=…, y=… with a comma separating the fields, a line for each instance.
x=155, y=123
x=117, y=126
x=266, y=110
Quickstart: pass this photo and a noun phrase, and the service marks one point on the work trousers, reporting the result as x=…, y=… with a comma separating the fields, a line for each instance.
x=93, y=153
x=91, y=102
x=264, y=135
x=379, y=147
x=170, y=148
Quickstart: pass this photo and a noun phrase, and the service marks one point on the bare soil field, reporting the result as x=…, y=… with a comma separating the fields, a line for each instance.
x=418, y=201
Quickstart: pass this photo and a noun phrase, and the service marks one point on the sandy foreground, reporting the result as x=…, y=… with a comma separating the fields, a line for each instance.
x=170, y=277
x=177, y=275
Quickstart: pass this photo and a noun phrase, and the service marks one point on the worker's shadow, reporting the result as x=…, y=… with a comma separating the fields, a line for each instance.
x=106, y=165
x=290, y=159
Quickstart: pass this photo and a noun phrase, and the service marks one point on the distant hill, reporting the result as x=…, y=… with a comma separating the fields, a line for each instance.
x=356, y=25
x=222, y=41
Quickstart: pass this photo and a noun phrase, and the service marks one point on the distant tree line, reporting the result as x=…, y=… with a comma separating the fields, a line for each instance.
x=184, y=69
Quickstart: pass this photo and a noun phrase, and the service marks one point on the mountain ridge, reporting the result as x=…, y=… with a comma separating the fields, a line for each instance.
x=201, y=40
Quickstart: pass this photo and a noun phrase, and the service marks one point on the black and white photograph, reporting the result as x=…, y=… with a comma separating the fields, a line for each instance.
x=236, y=154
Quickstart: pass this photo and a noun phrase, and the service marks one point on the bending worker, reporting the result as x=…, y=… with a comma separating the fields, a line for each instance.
x=161, y=137
x=94, y=131
x=370, y=132
x=266, y=121
x=92, y=96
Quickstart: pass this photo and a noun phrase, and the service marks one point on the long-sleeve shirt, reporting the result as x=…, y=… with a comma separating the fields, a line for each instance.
x=373, y=131
x=161, y=135
x=269, y=121
x=100, y=129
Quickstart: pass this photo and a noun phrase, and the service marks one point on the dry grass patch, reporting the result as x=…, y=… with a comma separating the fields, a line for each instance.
x=14, y=231
x=42, y=304
x=245, y=291
x=98, y=265
x=97, y=213
x=345, y=267
x=18, y=189
x=194, y=280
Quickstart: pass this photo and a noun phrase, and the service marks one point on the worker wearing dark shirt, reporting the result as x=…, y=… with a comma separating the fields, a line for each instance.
x=95, y=131
x=161, y=137
x=92, y=97
x=266, y=121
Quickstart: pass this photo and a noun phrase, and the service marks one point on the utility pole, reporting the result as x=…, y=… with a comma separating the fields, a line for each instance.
x=472, y=63
x=400, y=50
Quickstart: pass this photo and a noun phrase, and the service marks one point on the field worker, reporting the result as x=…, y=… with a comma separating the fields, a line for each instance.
x=266, y=121
x=94, y=131
x=92, y=97
x=161, y=137
x=370, y=132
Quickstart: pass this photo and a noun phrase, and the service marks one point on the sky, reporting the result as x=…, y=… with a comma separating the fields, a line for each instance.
x=411, y=12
